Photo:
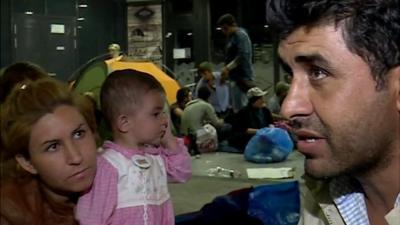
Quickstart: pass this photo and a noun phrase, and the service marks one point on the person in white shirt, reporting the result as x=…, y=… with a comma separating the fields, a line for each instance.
x=219, y=97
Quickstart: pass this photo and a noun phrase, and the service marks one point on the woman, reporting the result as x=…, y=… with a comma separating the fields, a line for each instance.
x=49, y=132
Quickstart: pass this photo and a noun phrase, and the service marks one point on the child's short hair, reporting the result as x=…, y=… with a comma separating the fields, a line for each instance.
x=123, y=91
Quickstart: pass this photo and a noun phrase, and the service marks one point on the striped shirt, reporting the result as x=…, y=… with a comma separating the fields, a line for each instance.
x=348, y=196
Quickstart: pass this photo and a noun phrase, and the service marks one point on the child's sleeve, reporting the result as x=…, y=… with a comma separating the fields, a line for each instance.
x=177, y=162
x=97, y=205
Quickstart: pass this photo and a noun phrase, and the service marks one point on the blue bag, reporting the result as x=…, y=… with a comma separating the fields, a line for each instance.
x=275, y=204
x=269, y=145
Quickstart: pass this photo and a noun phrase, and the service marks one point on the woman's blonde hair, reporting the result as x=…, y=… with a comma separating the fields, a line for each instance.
x=28, y=103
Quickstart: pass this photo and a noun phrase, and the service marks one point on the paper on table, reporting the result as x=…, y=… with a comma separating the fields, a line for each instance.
x=276, y=173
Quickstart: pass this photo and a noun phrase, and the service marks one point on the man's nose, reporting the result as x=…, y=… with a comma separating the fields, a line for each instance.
x=297, y=101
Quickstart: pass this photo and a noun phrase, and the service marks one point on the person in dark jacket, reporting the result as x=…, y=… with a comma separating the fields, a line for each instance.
x=248, y=120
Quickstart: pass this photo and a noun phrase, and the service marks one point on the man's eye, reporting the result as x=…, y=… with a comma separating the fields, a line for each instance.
x=317, y=73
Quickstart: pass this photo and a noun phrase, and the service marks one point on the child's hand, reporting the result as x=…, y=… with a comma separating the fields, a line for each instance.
x=168, y=140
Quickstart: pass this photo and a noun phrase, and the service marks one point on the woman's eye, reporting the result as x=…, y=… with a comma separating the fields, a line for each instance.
x=79, y=134
x=317, y=73
x=52, y=147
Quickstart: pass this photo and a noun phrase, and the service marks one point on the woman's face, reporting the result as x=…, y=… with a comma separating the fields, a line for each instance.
x=62, y=151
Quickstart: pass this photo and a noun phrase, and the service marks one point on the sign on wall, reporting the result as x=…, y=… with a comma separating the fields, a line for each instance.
x=145, y=32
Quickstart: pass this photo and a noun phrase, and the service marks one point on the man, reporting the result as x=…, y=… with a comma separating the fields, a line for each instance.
x=238, y=65
x=199, y=112
x=344, y=105
x=219, y=98
x=199, y=120
x=275, y=101
x=114, y=51
x=183, y=96
x=250, y=119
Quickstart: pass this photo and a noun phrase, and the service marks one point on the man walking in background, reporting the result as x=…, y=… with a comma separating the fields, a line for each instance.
x=238, y=61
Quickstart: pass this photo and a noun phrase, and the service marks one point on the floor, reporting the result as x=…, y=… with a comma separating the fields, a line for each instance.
x=204, y=186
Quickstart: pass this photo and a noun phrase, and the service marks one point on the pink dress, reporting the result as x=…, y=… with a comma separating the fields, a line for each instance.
x=128, y=191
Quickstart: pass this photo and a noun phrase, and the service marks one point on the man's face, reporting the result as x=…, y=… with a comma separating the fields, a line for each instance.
x=207, y=75
x=259, y=103
x=226, y=30
x=343, y=124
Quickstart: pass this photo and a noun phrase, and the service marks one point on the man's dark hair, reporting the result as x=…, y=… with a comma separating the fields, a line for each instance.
x=371, y=28
x=204, y=66
x=226, y=19
x=182, y=93
x=204, y=93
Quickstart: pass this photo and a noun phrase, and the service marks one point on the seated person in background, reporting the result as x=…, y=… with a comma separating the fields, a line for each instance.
x=248, y=120
x=115, y=52
x=199, y=112
x=183, y=96
x=274, y=102
x=196, y=115
x=219, y=97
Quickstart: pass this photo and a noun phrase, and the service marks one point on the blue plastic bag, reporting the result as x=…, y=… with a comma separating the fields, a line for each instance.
x=275, y=204
x=269, y=145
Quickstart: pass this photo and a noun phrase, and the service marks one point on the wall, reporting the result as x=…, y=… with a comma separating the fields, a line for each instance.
x=105, y=23
x=5, y=33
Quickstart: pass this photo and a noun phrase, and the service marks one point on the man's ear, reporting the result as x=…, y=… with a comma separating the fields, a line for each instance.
x=25, y=164
x=123, y=123
x=396, y=83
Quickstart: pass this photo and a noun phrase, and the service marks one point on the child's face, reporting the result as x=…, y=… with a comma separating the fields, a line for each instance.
x=150, y=122
x=62, y=151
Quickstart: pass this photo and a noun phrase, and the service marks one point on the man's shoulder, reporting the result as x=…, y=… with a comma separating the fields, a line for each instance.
x=241, y=32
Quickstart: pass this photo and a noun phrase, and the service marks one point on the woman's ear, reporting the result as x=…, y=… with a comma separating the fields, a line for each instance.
x=25, y=164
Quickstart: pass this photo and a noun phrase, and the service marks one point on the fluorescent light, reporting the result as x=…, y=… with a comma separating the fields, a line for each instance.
x=28, y=12
x=189, y=34
x=81, y=19
x=218, y=28
x=82, y=5
x=169, y=34
x=266, y=26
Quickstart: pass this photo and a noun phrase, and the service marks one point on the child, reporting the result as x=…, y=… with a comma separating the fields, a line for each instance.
x=130, y=186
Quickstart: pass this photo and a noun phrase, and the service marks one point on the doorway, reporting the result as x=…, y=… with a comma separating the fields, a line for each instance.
x=47, y=41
